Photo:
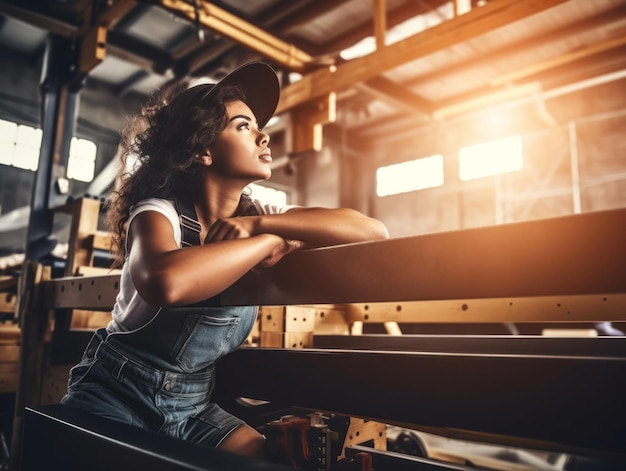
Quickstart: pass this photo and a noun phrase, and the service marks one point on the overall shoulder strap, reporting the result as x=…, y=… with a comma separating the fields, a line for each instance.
x=189, y=226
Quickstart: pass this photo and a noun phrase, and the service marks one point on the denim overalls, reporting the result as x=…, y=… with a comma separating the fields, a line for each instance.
x=168, y=393
x=161, y=376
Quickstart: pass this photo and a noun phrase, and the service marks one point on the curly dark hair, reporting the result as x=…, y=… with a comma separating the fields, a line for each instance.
x=158, y=150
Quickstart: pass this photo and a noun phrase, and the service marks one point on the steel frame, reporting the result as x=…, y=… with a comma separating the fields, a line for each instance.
x=565, y=403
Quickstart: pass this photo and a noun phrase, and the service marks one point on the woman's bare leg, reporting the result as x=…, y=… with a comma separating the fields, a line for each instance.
x=244, y=440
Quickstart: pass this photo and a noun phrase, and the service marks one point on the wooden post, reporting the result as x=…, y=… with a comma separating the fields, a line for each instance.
x=34, y=324
x=85, y=213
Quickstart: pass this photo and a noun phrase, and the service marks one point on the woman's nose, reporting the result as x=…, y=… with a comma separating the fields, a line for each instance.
x=263, y=139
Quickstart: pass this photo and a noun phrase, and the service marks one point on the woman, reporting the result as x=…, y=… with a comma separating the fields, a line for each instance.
x=153, y=366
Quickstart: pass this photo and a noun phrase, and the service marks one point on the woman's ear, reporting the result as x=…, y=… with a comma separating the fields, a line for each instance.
x=205, y=159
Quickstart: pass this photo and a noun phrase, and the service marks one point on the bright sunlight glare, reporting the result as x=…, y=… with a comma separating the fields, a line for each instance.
x=268, y=195
x=491, y=158
x=426, y=172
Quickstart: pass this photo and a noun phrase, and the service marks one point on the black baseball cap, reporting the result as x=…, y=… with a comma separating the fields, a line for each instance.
x=257, y=80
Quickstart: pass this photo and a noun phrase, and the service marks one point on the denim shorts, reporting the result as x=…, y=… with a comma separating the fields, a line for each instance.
x=112, y=382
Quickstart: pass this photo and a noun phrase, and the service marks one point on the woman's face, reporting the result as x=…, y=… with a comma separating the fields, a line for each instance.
x=241, y=150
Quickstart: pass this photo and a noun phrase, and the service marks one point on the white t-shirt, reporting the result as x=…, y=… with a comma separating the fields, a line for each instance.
x=130, y=310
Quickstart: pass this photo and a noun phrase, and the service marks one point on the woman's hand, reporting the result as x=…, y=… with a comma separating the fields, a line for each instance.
x=231, y=228
x=244, y=227
x=279, y=252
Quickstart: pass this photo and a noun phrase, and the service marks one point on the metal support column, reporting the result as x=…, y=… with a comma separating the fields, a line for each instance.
x=59, y=103
x=50, y=189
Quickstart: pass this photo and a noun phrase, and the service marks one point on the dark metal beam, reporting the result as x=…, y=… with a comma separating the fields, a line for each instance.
x=478, y=344
x=60, y=437
x=572, y=255
x=571, y=263
x=571, y=404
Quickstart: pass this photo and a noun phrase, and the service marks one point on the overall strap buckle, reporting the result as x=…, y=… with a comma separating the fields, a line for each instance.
x=189, y=226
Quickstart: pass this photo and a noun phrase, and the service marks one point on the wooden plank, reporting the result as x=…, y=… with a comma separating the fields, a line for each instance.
x=101, y=240
x=362, y=431
x=85, y=214
x=9, y=353
x=81, y=292
x=9, y=332
x=286, y=339
x=8, y=282
x=8, y=382
x=578, y=308
x=8, y=302
x=287, y=319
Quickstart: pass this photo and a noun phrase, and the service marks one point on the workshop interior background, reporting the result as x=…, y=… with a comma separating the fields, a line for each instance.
x=430, y=115
x=554, y=79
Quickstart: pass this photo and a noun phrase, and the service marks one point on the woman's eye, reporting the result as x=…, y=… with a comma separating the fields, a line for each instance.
x=244, y=125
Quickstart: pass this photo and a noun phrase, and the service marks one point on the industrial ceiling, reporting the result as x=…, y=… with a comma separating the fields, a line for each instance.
x=366, y=65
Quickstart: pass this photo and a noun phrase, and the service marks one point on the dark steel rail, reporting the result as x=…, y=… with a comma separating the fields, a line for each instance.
x=570, y=404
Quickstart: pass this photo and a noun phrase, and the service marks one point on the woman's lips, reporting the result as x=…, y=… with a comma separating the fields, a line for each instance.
x=266, y=157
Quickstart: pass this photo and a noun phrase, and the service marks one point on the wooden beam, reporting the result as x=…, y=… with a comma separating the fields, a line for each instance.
x=562, y=59
x=92, y=49
x=479, y=21
x=308, y=120
x=242, y=32
x=602, y=21
x=574, y=308
x=380, y=22
x=395, y=94
x=493, y=98
x=114, y=10
x=34, y=328
x=93, y=36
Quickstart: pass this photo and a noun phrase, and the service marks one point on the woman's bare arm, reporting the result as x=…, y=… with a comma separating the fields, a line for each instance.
x=316, y=227
x=166, y=275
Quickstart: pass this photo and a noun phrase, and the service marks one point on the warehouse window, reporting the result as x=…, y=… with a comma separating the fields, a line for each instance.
x=81, y=164
x=426, y=172
x=20, y=147
x=491, y=158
